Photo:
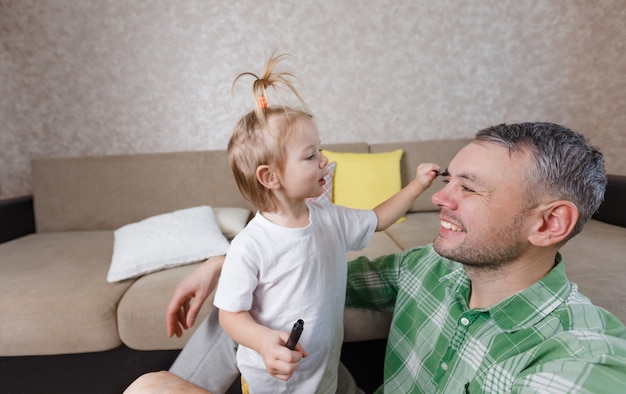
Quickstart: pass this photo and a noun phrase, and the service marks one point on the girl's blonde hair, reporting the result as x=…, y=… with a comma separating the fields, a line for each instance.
x=260, y=136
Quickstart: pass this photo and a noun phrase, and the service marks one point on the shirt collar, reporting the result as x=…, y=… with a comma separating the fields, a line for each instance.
x=525, y=308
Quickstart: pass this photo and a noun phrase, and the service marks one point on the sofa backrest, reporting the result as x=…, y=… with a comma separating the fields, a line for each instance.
x=440, y=152
x=106, y=192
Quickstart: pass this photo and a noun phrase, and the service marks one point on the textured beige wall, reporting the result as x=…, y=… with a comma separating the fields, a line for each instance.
x=105, y=77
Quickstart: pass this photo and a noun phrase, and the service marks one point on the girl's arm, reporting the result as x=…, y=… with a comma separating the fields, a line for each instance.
x=392, y=209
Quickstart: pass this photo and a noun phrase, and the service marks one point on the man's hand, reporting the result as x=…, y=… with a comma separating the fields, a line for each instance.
x=182, y=312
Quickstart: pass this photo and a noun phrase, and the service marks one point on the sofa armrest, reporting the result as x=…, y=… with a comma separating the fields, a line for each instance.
x=613, y=209
x=17, y=218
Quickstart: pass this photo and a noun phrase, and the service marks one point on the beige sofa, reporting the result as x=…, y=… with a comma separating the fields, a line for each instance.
x=54, y=297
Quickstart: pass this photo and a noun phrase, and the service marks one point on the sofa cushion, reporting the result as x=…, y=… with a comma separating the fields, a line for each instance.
x=419, y=228
x=165, y=241
x=365, y=324
x=381, y=244
x=364, y=180
x=54, y=297
x=594, y=260
x=107, y=192
x=141, y=312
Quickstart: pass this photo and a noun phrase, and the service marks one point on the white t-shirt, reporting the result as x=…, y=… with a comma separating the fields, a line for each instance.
x=282, y=274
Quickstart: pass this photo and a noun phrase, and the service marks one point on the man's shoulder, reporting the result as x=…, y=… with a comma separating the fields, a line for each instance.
x=579, y=314
x=580, y=331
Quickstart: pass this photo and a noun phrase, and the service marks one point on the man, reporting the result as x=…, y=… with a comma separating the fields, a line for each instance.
x=487, y=307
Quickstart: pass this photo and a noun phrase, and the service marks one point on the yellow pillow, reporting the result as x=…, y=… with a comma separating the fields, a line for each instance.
x=364, y=180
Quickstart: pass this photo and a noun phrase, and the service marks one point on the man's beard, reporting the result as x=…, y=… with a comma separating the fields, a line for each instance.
x=490, y=251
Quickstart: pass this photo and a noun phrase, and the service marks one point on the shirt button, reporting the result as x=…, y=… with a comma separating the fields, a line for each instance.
x=464, y=321
x=444, y=366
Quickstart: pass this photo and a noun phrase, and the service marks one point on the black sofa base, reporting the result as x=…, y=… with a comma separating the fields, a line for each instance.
x=110, y=372
x=102, y=372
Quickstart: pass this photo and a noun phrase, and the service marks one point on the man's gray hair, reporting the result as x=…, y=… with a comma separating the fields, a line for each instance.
x=566, y=165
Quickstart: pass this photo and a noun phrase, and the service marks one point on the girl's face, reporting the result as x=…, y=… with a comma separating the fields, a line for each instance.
x=305, y=166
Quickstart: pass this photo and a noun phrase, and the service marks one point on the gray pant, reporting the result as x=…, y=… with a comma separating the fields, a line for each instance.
x=209, y=360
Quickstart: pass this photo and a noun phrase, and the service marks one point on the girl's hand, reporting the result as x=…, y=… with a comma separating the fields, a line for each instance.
x=426, y=174
x=280, y=361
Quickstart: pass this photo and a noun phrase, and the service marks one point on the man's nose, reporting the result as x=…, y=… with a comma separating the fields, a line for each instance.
x=444, y=198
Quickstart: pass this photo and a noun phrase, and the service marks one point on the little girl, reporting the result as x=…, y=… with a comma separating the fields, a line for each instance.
x=289, y=262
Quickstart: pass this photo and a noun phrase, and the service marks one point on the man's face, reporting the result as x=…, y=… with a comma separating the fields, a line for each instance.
x=482, y=206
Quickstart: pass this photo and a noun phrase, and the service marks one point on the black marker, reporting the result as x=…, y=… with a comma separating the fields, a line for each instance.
x=296, y=331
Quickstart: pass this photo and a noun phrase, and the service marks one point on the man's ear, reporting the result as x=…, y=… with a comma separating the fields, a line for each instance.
x=267, y=177
x=555, y=222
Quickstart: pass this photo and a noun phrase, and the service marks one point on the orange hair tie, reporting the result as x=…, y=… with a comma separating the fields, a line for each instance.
x=262, y=102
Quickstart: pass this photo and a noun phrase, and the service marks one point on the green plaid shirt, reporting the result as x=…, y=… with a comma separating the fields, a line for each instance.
x=548, y=338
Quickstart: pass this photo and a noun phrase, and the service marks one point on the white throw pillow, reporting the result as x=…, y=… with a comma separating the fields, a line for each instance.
x=164, y=241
